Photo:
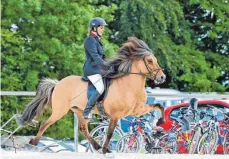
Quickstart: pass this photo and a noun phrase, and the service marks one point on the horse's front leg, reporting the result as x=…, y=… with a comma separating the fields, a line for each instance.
x=143, y=108
x=112, y=125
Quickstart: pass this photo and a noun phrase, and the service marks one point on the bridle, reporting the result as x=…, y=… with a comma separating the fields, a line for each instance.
x=151, y=73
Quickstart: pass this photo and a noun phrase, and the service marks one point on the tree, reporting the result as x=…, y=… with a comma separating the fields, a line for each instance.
x=209, y=21
x=163, y=26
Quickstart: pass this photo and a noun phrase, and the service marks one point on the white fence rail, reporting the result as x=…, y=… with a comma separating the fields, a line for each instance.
x=17, y=93
x=154, y=93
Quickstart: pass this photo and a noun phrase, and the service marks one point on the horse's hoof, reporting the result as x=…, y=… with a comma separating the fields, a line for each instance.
x=33, y=141
x=106, y=150
x=100, y=151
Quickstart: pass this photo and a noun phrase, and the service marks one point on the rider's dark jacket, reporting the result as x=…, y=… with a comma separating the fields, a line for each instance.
x=94, y=56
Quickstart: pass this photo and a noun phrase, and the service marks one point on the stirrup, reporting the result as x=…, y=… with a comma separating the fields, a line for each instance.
x=89, y=116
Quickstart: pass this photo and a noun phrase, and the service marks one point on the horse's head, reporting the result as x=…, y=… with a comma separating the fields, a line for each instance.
x=135, y=57
x=146, y=61
x=149, y=66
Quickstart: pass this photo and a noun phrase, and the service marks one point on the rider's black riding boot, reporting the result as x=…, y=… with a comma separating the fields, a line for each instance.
x=90, y=104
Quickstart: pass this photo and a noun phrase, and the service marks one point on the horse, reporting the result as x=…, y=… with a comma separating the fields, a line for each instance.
x=134, y=62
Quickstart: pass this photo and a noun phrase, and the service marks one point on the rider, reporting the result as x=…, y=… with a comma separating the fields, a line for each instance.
x=94, y=61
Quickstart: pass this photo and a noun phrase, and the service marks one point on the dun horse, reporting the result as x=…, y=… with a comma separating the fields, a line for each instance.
x=134, y=62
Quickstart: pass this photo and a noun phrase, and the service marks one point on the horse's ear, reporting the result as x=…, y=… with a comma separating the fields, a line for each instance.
x=132, y=38
x=133, y=41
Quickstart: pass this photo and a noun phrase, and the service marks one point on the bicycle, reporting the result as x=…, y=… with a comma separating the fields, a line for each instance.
x=130, y=143
x=208, y=142
x=211, y=137
x=197, y=131
x=226, y=134
x=140, y=137
x=178, y=136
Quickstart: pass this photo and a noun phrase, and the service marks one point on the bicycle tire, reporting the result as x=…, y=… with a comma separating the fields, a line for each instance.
x=167, y=142
x=146, y=144
x=226, y=144
x=208, y=138
x=195, y=140
x=118, y=133
x=124, y=147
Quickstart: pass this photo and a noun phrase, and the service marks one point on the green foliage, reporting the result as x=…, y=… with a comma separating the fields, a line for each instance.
x=165, y=26
x=210, y=25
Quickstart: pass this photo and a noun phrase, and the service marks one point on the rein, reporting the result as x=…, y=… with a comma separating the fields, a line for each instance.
x=151, y=72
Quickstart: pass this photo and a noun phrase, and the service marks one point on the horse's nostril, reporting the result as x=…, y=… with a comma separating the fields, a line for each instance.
x=163, y=77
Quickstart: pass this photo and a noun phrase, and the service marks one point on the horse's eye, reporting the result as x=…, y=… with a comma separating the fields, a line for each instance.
x=150, y=61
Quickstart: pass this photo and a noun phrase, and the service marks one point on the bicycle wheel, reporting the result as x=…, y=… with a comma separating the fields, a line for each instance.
x=195, y=140
x=146, y=144
x=226, y=144
x=128, y=144
x=99, y=134
x=167, y=144
x=208, y=143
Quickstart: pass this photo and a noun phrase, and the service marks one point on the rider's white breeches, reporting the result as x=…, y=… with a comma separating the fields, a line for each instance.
x=97, y=81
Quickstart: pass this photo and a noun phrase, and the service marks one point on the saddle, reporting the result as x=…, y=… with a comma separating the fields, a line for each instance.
x=91, y=89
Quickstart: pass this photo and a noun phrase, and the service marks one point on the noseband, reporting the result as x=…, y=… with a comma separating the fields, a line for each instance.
x=151, y=73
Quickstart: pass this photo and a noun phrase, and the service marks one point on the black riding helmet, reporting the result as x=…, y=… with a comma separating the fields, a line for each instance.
x=96, y=22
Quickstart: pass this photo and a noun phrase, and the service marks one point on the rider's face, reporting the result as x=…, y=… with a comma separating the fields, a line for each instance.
x=100, y=30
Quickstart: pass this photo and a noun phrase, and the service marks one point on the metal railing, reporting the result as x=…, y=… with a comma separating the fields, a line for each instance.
x=155, y=93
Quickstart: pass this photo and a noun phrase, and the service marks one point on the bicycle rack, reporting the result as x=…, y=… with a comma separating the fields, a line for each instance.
x=11, y=132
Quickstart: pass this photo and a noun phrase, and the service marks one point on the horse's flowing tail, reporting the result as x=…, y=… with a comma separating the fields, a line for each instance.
x=42, y=98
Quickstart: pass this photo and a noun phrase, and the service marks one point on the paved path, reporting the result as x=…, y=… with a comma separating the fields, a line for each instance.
x=72, y=155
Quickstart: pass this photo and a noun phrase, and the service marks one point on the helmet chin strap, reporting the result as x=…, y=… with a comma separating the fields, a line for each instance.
x=97, y=33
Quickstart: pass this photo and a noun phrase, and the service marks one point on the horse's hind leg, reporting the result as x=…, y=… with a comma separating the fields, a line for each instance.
x=56, y=115
x=83, y=126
